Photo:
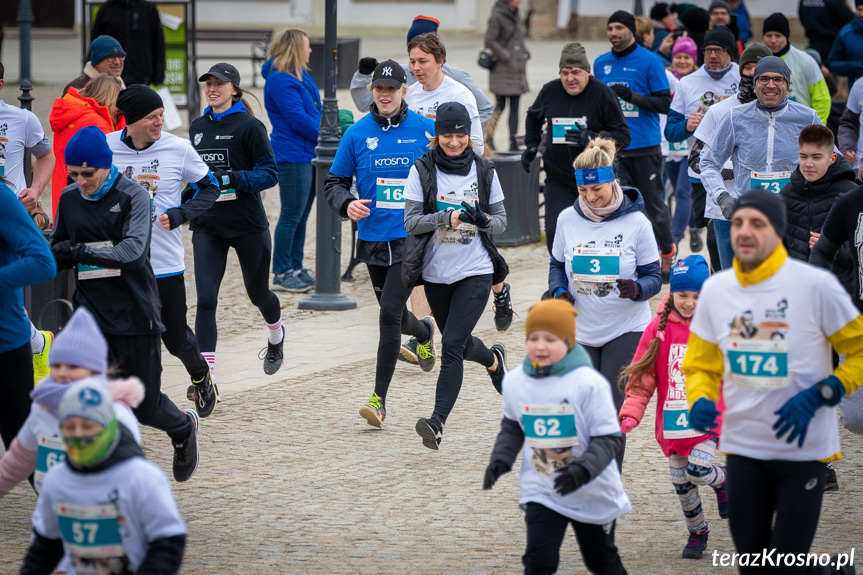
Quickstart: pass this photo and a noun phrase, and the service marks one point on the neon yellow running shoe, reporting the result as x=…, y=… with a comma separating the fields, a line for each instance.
x=41, y=369
x=375, y=412
x=426, y=355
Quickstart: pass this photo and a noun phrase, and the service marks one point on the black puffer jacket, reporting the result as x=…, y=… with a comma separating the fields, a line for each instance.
x=808, y=204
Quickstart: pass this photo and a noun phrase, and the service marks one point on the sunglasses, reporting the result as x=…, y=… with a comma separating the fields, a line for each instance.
x=89, y=174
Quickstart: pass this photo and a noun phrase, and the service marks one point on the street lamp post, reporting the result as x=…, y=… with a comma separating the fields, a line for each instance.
x=25, y=25
x=328, y=244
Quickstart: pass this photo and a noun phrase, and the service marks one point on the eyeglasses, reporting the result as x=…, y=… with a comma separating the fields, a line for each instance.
x=119, y=57
x=765, y=80
x=89, y=174
x=717, y=51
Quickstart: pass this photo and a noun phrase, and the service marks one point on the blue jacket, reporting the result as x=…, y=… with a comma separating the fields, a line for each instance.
x=846, y=57
x=294, y=109
x=25, y=259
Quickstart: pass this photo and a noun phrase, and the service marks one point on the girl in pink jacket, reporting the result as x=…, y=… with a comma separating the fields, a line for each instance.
x=656, y=368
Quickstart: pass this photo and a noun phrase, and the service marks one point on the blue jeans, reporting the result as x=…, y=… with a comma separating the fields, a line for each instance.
x=722, y=229
x=297, y=194
x=676, y=172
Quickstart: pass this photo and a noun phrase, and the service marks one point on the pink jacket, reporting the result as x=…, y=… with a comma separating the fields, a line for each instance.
x=666, y=379
x=18, y=463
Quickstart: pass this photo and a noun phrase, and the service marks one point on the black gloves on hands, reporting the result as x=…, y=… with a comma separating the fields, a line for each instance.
x=570, y=478
x=580, y=137
x=566, y=295
x=227, y=179
x=622, y=92
x=726, y=204
x=474, y=215
x=66, y=254
x=628, y=289
x=494, y=470
x=367, y=65
x=175, y=217
x=527, y=157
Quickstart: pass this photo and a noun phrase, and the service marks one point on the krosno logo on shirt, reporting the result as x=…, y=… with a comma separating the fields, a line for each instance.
x=379, y=161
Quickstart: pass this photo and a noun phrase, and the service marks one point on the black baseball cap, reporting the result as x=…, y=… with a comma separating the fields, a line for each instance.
x=224, y=72
x=389, y=73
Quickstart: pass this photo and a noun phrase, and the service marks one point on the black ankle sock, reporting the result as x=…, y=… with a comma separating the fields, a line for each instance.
x=503, y=293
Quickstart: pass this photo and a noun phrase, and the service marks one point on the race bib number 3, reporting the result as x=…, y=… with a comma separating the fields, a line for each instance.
x=49, y=452
x=90, y=532
x=597, y=265
x=770, y=181
x=86, y=272
x=559, y=126
x=675, y=420
x=549, y=426
x=389, y=193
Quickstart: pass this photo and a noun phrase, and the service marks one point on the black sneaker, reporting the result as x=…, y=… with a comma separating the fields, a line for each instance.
x=831, y=482
x=431, y=430
x=695, y=546
x=186, y=454
x=204, y=393
x=695, y=241
x=408, y=352
x=503, y=309
x=497, y=375
x=273, y=355
x=665, y=263
x=425, y=352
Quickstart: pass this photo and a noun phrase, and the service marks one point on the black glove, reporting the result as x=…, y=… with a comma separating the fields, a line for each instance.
x=628, y=289
x=175, y=217
x=580, y=137
x=227, y=179
x=474, y=215
x=66, y=254
x=494, y=470
x=726, y=204
x=527, y=157
x=368, y=65
x=622, y=92
x=565, y=295
x=570, y=478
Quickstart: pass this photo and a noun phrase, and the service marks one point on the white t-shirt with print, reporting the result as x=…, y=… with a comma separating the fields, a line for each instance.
x=602, y=314
x=773, y=337
x=19, y=130
x=585, y=396
x=454, y=254
x=425, y=103
x=715, y=115
x=161, y=169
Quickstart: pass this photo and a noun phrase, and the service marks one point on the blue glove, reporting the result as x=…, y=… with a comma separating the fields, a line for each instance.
x=798, y=411
x=702, y=416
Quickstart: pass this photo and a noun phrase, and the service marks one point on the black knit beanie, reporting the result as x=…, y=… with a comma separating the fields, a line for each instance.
x=138, y=101
x=623, y=17
x=769, y=204
x=776, y=22
x=721, y=37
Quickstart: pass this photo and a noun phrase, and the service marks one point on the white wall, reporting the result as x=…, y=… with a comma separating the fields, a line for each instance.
x=224, y=12
x=756, y=8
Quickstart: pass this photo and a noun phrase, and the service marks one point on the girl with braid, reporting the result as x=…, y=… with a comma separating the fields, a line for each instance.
x=656, y=368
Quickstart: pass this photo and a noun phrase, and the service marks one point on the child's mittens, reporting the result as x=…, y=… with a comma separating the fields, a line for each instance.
x=494, y=470
x=570, y=478
x=627, y=424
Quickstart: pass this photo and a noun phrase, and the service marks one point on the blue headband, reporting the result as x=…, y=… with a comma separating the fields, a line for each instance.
x=594, y=176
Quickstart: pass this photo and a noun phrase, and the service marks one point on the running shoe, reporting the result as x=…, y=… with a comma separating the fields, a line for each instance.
x=375, y=412
x=831, y=481
x=665, y=263
x=695, y=546
x=408, y=352
x=431, y=430
x=695, y=242
x=425, y=352
x=305, y=277
x=503, y=308
x=497, y=375
x=273, y=355
x=722, y=499
x=204, y=393
x=291, y=283
x=186, y=453
x=41, y=368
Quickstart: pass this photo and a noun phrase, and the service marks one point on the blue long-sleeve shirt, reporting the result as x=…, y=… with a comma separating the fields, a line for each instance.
x=294, y=108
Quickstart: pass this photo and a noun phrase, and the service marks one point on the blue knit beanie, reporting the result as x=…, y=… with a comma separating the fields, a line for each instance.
x=88, y=148
x=689, y=274
x=81, y=343
x=104, y=46
x=422, y=25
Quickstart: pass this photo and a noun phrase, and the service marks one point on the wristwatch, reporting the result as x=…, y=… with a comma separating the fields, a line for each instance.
x=826, y=391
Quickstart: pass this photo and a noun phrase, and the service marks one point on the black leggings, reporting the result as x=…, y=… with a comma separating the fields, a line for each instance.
x=558, y=197
x=645, y=173
x=545, y=531
x=16, y=383
x=211, y=256
x=178, y=337
x=394, y=320
x=463, y=301
x=792, y=490
x=500, y=104
x=609, y=360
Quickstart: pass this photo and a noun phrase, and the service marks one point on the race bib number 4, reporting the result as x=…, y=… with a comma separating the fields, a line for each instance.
x=90, y=532
x=770, y=181
x=86, y=272
x=675, y=420
x=559, y=126
x=597, y=265
x=549, y=426
x=389, y=193
x=759, y=365
x=49, y=452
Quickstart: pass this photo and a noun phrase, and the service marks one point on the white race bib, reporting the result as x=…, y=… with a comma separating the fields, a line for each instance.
x=770, y=181
x=86, y=272
x=549, y=426
x=595, y=265
x=559, y=126
x=390, y=193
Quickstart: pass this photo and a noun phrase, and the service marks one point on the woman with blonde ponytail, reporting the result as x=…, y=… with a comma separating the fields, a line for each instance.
x=604, y=261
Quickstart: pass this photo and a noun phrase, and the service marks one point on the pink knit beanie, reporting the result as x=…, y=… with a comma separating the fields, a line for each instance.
x=685, y=45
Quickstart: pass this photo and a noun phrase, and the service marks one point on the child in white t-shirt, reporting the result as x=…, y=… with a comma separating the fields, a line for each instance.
x=560, y=411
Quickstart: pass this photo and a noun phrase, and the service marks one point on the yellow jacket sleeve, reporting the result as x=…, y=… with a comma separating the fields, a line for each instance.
x=703, y=368
x=820, y=98
x=848, y=341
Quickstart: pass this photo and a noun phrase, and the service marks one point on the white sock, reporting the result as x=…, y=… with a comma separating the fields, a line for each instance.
x=210, y=358
x=37, y=340
x=296, y=273
x=274, y=332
